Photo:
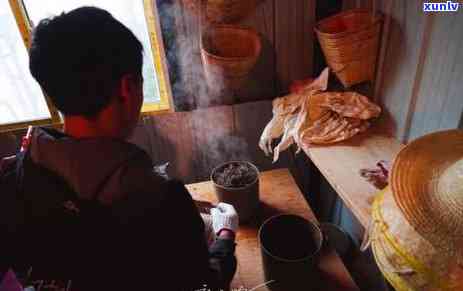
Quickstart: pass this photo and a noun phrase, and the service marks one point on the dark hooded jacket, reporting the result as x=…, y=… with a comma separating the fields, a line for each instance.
x=90, y=214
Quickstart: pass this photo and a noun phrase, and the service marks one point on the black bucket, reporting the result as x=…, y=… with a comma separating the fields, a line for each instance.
x=290, y=247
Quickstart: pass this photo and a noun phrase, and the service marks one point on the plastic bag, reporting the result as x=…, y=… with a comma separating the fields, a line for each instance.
x=312, y=116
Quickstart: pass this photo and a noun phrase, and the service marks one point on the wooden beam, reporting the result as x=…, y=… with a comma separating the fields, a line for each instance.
x=418, y=78
x=308, y=24
x=386, y=10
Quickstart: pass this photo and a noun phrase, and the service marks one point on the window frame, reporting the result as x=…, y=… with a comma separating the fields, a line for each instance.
x=25, y=30
x=152, y=21
x=153, y=24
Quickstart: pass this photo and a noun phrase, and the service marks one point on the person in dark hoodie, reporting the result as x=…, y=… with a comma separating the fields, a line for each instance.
x=88, y=212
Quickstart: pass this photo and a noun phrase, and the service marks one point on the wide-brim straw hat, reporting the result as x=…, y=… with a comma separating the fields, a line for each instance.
x=406, y=259
x=427, y=184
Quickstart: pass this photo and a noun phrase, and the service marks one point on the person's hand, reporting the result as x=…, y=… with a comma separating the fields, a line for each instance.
x=224, y=218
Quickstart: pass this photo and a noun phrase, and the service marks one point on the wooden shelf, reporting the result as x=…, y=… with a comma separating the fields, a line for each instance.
x=340, y=165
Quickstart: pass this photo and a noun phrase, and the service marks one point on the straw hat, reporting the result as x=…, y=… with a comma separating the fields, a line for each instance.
x=406, y=259
x=427, y=184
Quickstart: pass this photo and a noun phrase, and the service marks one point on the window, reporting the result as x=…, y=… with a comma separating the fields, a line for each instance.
x=22, y=102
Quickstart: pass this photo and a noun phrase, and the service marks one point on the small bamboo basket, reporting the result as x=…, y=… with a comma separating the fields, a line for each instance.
x=229, y=53
x=350, y=42
x=407, y=260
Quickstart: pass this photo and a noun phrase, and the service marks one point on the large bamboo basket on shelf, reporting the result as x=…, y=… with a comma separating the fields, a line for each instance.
x=229, y=53
x=406, y=259
x=350, y=43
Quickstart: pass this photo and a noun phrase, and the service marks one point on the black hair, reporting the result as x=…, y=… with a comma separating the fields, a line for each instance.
x=79, y=57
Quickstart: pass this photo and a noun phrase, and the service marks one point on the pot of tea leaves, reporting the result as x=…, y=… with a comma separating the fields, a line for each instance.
x=237, y=183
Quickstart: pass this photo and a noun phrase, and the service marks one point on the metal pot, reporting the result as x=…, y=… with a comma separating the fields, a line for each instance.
x=244, y=199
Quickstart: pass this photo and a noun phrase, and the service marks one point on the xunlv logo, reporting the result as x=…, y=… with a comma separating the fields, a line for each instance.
x=448, y=6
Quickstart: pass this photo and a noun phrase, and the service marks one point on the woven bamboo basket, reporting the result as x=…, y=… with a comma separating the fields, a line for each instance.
x=407, y=260
x=350, y=43
x=229, y=53
x=222, y=11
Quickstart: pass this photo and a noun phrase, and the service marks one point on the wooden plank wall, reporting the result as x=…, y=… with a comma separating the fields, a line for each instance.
x=419, y=81
x=194, y=142
x=294, y=37
x=286, y=30
x=439, y=103
x=401, y=63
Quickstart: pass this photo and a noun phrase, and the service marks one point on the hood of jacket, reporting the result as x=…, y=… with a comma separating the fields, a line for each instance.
x=103, y=168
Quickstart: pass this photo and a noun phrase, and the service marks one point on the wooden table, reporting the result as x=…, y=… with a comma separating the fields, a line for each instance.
x=278, y=194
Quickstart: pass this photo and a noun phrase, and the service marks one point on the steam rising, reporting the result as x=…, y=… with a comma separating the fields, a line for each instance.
x=222, y=149
x=189, y=85
x=217, y=143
